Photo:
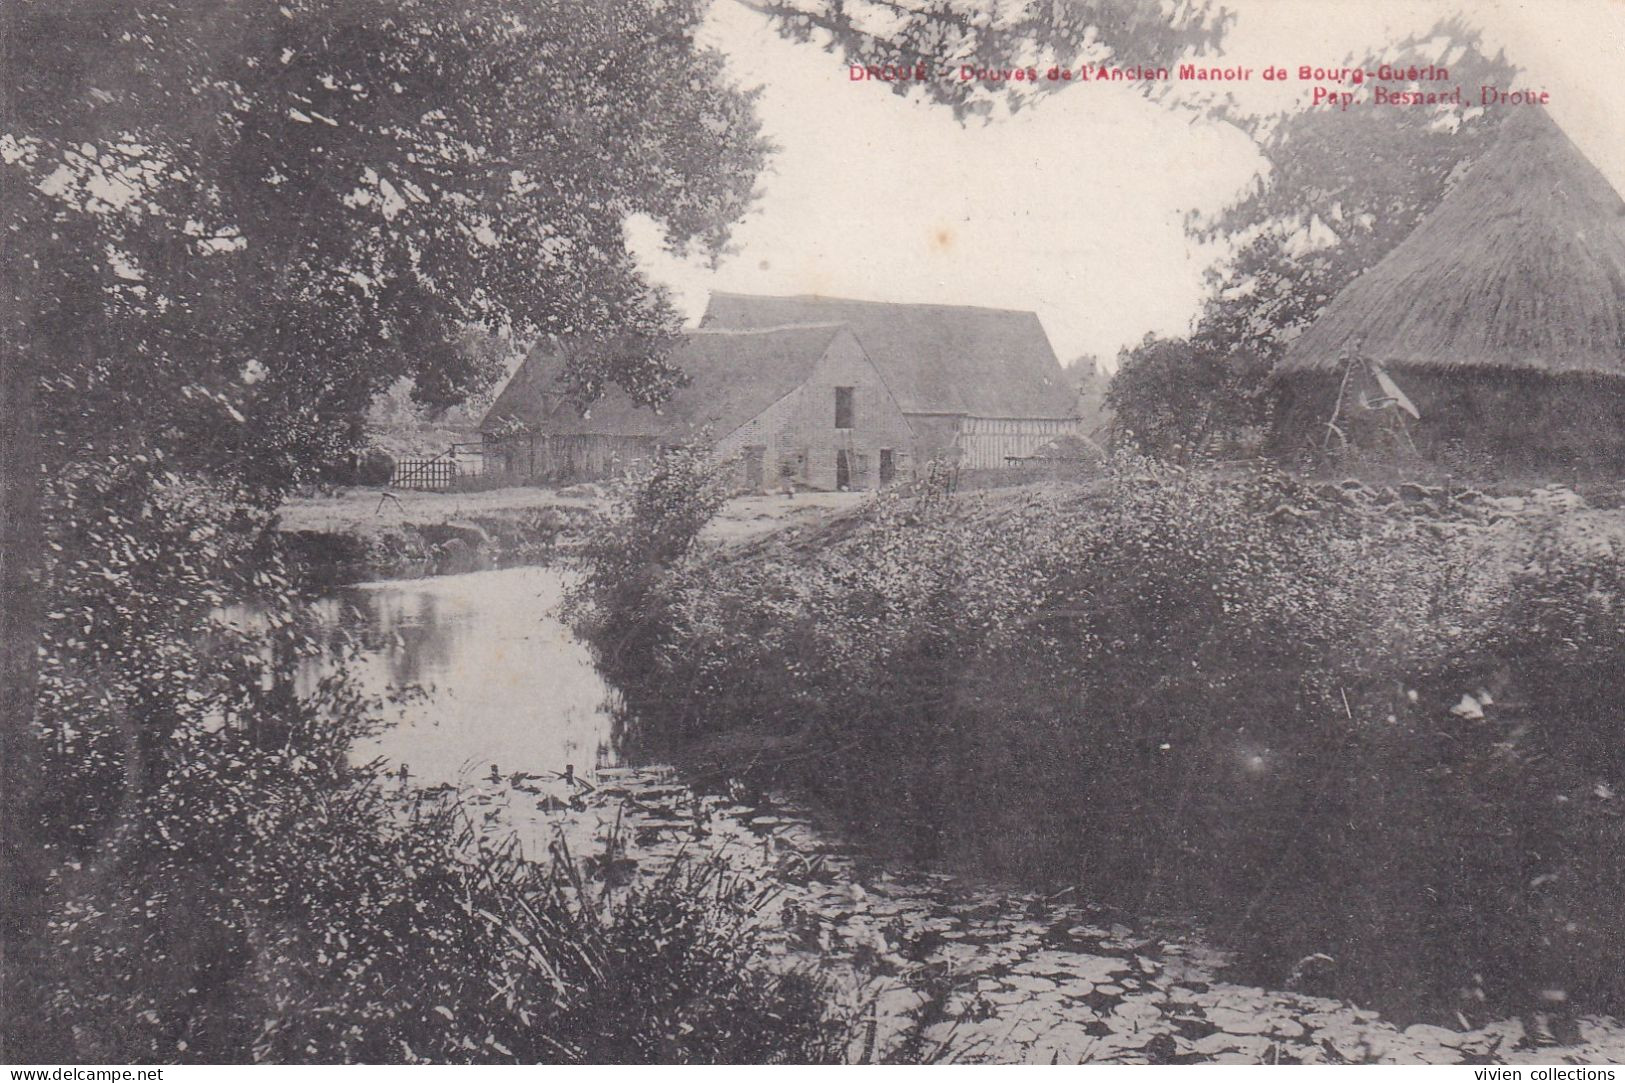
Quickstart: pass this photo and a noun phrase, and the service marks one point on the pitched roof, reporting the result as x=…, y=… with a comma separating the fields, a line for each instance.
x=733, y=376
x=937, y=359
x=1521, y=265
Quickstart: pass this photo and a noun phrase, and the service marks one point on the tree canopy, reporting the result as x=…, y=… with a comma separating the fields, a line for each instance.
x=1341, y=188
x=949, y=32
x=1172, y=396
x=229, y=226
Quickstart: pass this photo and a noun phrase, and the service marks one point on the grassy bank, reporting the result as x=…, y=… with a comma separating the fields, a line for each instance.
x=359, y=534
x=356, y=534
x=1366, y=734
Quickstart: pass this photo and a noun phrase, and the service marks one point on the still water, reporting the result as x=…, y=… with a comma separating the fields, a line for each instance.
x=506, y=682
x=1028, y=977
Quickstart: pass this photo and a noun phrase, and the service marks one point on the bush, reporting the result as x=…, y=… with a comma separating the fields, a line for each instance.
x=652, y=522
x=1232, y=696
x=271, y=914
x=372, y=467
x=375, y=467
x=225, y=887
x=1180, y=399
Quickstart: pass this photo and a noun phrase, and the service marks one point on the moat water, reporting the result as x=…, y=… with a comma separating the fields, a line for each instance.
x=988, y=971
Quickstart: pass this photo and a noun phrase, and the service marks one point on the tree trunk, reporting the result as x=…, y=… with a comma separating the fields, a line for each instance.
x=22, y=864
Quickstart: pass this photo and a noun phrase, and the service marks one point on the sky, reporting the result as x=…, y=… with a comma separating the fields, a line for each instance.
x=1074, y=208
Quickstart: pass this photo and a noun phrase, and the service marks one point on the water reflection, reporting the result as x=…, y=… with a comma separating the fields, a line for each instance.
x=507, y=683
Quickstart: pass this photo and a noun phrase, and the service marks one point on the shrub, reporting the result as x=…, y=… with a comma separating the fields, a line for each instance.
x=225, y=887
x=374, y=467
x=653, y=520
x=268, y=913
x=1227, y=695
x=1176, y=399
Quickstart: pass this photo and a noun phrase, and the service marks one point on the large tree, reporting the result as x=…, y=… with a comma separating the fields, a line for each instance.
x=1340, y=189
x=1171, y=397
x=226, y=228
x=271, y=211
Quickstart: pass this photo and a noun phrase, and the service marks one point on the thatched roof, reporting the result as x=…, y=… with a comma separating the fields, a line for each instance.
x=937, y=359
x=733, y=376
x=1520, y=266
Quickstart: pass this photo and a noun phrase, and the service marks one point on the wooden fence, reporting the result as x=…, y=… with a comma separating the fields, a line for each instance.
x=430, y=475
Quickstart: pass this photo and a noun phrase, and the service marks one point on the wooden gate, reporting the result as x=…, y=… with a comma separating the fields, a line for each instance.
x=430, y=475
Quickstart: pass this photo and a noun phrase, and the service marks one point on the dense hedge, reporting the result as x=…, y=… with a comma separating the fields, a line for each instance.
x=1228, y=696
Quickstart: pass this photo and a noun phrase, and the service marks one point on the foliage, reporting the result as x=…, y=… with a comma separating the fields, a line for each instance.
x=1234, y=696
x=1341, y=189
x=273, y=212
x=653, y=519
x=226, y=887
x=656, y=513
x=375, y=468
x=1069, y=33
x=276, y=910
x=1566, y=607
x=229, y=227
x=1173, y=397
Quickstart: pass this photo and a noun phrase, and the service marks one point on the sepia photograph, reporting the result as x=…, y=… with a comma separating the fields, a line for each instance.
x=812, y=532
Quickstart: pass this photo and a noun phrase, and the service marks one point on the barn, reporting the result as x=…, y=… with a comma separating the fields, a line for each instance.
x=979, y=385
x=802, y=405
x=1494, y=334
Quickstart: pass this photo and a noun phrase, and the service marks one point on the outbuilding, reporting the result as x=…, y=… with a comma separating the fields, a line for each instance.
x=980, y=386
x=801, y=405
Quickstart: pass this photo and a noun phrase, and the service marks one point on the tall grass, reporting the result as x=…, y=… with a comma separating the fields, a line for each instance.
x=260, y=913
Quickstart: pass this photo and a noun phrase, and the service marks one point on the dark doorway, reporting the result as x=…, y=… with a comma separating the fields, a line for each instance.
x=753, y=466
x=843, y=470
x=888, y=466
